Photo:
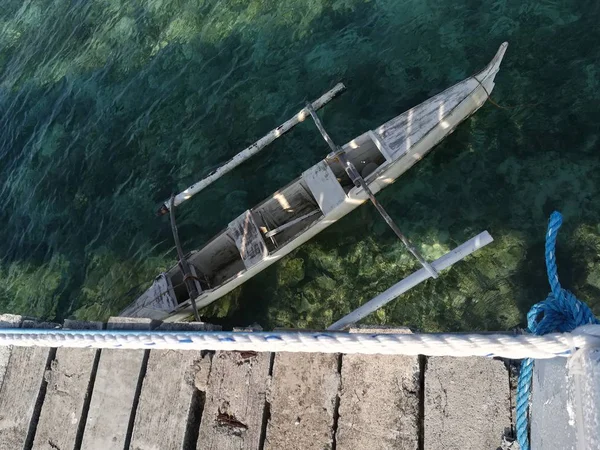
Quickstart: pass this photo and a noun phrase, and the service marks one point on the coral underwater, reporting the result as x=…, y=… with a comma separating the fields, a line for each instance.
x=107, y=107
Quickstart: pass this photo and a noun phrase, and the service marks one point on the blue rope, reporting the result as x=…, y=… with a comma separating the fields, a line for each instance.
x=560, y=312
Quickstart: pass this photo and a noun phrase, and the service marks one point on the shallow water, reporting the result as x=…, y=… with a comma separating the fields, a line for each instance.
x=106, y=107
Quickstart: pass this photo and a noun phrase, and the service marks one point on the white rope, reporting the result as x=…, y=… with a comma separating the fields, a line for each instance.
x=503, y=345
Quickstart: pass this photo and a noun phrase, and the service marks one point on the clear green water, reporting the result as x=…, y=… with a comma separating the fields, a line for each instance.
x=108, y=106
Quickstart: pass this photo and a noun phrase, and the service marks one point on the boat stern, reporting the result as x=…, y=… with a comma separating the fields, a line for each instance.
x=156, y=303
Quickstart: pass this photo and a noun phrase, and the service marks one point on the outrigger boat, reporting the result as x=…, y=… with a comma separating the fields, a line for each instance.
x=322, y=195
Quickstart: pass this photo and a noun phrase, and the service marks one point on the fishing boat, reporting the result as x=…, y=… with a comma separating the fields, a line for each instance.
x=321, y=196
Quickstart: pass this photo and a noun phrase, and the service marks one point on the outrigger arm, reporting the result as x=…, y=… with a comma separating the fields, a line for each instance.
x=339, y=154
x=404, y=285
x=249, y=151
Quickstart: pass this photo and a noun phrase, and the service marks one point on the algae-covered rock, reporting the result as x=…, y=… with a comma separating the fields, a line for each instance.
x=33, y=290
x=290, y=272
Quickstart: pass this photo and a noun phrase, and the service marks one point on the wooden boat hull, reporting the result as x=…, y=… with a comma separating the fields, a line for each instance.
x=403, y=141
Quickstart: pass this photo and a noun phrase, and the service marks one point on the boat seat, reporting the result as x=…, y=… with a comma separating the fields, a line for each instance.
x=289, y=224
x=248, y=239
x=324, y=187
x=194, y=272
x=381, y=145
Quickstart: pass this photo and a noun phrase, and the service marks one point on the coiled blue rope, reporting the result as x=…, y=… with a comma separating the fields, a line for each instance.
x=560, y=312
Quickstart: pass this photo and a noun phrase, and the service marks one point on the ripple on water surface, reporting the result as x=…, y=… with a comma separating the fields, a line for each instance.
x=108, y=107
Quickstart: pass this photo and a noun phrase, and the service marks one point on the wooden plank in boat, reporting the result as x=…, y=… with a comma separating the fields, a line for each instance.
x=194, y=272
x=381, y=145
x=158, y=299
x=248, y=240
x=69, y=379
x=324, y=186
x=405, y=130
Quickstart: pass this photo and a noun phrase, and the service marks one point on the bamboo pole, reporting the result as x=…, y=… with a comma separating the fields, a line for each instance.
x=459, y=253
x=252, y=150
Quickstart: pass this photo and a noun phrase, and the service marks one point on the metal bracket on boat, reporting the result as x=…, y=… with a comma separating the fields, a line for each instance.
x=339, y=153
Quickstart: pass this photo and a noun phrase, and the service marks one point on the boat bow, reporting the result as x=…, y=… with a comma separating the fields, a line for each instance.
x=321, y=196
x=487, y=75
x=416, y=131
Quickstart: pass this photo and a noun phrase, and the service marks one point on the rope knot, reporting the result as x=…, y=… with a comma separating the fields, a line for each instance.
x=560, y=312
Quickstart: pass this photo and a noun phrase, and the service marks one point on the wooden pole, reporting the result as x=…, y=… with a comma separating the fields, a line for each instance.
x=339, y=153
x=460, y=252
x=251, y=151
x=183, y=265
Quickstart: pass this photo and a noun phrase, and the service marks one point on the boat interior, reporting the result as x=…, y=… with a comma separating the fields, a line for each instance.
x=364, y=153
x=273, y=227
x=279, y=219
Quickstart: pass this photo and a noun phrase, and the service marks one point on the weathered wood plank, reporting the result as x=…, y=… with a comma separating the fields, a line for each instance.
x=381, y=145
x=407, y=129
x=67, y=391
x=551, y=426
x=324, y=187
x=379, y=400
x=248, y=239
x=303, y=399
x=234, y=410
x=114, y=394
x=22, y=392
x=467, y=403
x=565, y=402
x=152, y=304
x=7, y=321
x=170, y=405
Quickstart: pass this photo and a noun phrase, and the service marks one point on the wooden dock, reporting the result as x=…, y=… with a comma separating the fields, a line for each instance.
x=66, y=398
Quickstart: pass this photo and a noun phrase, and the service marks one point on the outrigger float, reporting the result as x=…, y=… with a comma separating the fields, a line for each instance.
x=323, y=194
